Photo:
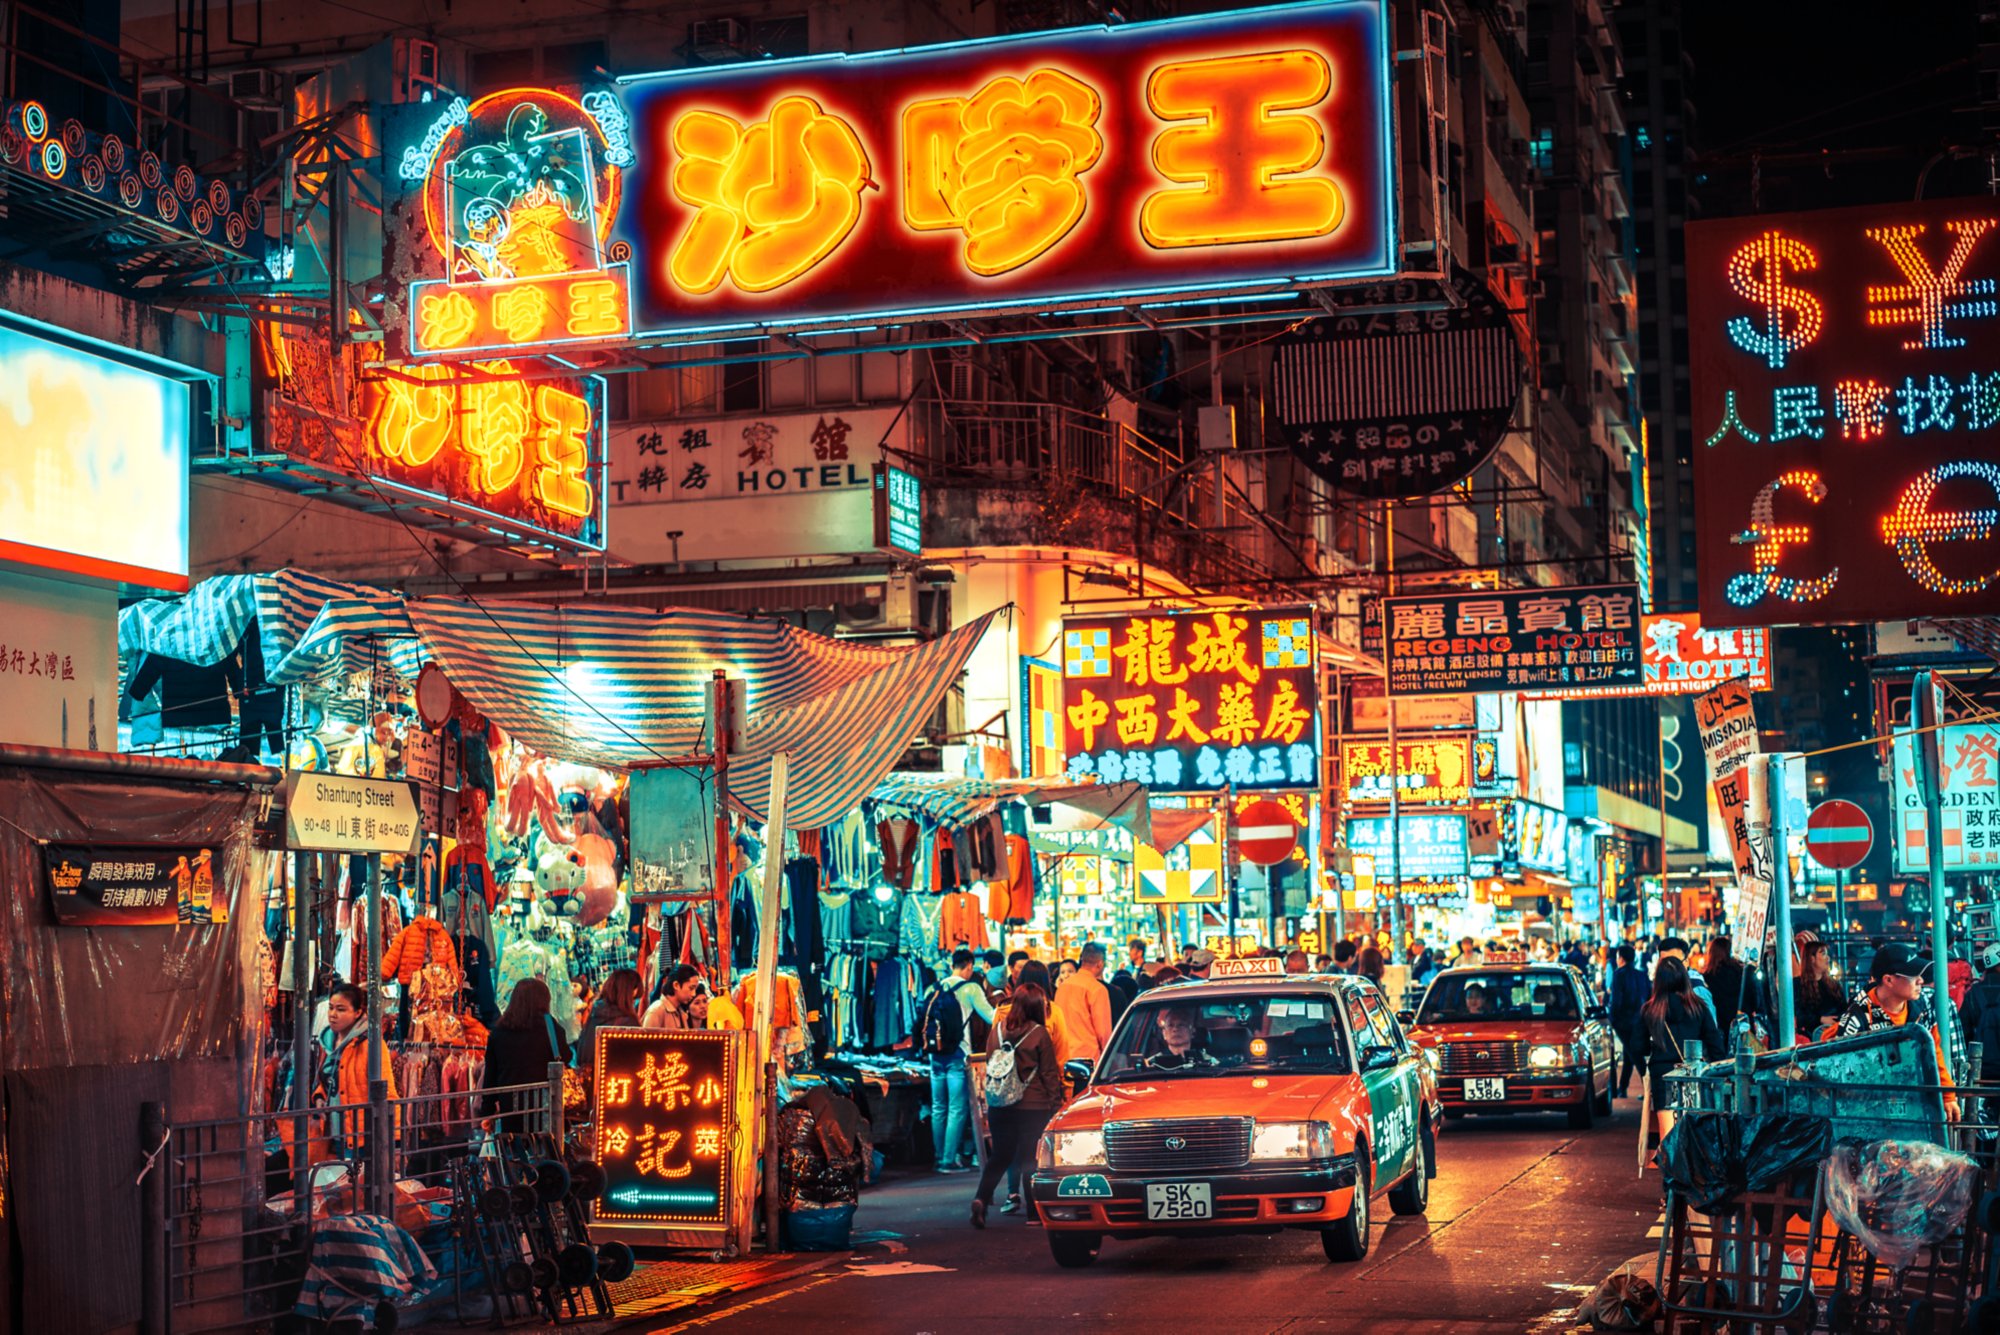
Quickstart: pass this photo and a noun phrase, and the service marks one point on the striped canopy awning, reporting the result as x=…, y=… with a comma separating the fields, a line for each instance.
x=599, y=684
x=953, y=801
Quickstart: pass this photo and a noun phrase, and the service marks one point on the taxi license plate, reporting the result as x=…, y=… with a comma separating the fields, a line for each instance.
x=1487, y=1089
x=1179, y=1201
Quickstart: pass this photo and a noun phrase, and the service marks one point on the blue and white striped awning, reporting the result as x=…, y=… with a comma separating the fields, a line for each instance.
x=954, y=801
x=600, y=684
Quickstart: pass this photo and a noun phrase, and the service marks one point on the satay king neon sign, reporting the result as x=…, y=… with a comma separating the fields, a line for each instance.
x=1847, y=413
x=1146, y=162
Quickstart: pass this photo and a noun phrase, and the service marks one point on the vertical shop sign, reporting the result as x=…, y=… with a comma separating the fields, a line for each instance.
x=666, y=1121
x=673, y=832
x=1968, y=773
x=1728, y=724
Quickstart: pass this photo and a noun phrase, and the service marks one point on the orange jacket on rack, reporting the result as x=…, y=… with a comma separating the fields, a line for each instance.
x=424, y=941
x=960, y=922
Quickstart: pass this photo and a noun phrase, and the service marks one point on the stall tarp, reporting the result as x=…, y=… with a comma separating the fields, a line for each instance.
x=301, y=641
x=87, y=996
x=954, y=801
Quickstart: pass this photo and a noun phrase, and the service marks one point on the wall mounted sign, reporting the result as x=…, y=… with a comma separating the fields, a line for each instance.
x=1144, y=161
x=1968, y=785
x=1846, y=413
x=94, y=469
x=673, y=832
x=1539, y=640
x=1428, y=847
x=755, y=458
x=1431, y=770
x=1041, y=702
x=1680, y=656
x=92, y=886
x=481, y=442
x=899, y=511
x=666, y=1126
x=1404, y=404
x=1193, y=701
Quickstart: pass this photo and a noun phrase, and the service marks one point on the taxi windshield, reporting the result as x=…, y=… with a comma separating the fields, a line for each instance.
x=1202, y=1036
x=1542, y=994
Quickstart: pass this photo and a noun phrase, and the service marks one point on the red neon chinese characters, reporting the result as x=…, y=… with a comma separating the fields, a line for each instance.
x=774, y=198
x=1793, y=316
x=1931, y=297
x=1239, y=159
x=1914, y=523
x=1002, y=165
x=562, y=423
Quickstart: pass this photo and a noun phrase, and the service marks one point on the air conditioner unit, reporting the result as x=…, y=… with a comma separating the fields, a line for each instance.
x=882, y=608
x=259, y=89
x=965, y=379
x=415, y=67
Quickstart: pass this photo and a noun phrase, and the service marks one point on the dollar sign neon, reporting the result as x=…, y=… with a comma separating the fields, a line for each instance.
x=1757, y=273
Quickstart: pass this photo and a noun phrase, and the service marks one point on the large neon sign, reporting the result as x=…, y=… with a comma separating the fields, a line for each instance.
x=1844, y=414
x=1148, y=162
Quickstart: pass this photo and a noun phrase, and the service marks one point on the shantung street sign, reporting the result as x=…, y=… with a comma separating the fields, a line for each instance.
x=1847, y=413
x=1193, y=701
x=1544, y=640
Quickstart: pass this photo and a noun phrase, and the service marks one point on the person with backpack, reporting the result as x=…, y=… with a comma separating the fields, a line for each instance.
x=944, y=1036
x=1023, y=1091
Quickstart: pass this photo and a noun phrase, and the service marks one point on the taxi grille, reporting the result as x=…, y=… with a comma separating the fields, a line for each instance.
x=1203, y=1145
x=1482, y=1058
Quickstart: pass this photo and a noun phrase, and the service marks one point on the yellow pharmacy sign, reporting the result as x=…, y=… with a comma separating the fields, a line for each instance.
x=1190, y=873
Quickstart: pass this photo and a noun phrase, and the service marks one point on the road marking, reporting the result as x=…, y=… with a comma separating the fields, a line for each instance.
x=898, y=1268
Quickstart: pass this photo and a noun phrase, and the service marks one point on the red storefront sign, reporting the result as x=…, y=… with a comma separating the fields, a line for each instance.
x=1847, y=413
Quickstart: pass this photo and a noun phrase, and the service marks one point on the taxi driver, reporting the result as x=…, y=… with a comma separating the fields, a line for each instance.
x=1476, y=1002
x=1179, y=1033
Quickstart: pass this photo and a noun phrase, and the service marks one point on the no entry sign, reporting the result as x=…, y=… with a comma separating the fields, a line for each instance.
x=1266, y=833
x=1839, y=835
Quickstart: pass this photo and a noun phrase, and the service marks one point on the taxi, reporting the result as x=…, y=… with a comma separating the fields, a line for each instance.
x=1249, y=1103
x=1511, y=1035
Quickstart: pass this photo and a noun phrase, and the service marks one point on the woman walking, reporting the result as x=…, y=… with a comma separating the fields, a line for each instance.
x=1674, y=1018
x=1018, y=1126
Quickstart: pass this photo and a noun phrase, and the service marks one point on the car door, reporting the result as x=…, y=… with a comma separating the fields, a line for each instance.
x=1596, y=1034
x=1391, y=1084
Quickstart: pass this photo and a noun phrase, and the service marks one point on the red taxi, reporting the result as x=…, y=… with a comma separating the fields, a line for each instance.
x=1512, y=1036
x=1245, y=1104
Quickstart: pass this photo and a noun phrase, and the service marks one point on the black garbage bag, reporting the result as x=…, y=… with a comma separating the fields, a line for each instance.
x=807, y=1175
x=1711, y=1158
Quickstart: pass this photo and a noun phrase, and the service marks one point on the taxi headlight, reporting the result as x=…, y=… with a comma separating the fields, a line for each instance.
x=1292, y=1141
x=1545, y=1055
x=1071, y=1149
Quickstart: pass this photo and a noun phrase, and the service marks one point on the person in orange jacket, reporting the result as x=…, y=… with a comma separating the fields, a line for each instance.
x=347, y=1021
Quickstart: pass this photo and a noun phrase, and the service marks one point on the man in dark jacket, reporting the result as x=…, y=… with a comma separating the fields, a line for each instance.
x=1979, y=1013
x=1629, y=990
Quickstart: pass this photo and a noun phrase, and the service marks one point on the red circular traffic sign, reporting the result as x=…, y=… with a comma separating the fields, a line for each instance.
x=1266, y=833
x=1839, y=834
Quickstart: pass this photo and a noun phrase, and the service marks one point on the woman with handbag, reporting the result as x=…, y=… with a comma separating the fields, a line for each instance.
x=519, y=1051
x=1673, y=1018
x=1023, y=1091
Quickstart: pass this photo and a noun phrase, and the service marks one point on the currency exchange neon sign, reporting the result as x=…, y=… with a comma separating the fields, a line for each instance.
x=1845, y=414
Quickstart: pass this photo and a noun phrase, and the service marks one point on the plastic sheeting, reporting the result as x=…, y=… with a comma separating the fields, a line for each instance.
x=1899, y=1196
x=89, y=996
x=1712, y=1159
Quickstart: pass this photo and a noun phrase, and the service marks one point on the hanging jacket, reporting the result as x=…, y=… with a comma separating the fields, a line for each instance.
x=423, y=942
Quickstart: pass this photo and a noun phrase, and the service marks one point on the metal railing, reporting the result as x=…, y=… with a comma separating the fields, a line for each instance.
x=230, y=1204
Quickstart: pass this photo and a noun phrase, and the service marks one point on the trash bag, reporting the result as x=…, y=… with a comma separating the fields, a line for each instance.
x=807, y=1175
x=818, y=1229
x=1711, y=1158
x=1899, y=1196
x=1625, y=1301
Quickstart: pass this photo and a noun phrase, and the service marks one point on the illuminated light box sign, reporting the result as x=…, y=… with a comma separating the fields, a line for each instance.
x=1535, y=837
x=1847, y=413
x=739, y=458
x=480, y=441
x=1190, y=872
x=1193, y=701
x=1041, y=700
x=503, y=222
x=1548, y=640
x=92, y=886
x=1680, y=656
x=93, y=463
x=1426, y=769
x=1428, y=848
x=899, y=511
x=1969, y=783
x=666, y=1125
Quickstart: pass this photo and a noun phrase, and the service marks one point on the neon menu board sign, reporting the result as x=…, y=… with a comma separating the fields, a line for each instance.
x=1847, y=413
x=666, y=1121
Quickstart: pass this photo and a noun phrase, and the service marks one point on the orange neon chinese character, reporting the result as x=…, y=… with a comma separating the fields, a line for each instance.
x=708, y=1141
x=664, y=1084
x=774, y=197
x=617, y=1090
x=562, y=421
x=1087, y=715
x=617, y=1139
x=1242, y=152
x=1285, y=722
x=709, y=1092
x=411, y=423
x=521, y=312
x=654, y=1147
x=448, y=318
x=1182, y=717
x=1221, y=648
x=1138, y=725
x=497, y=424
x=1002, y=165
x=1235, y=715
x=595, y=308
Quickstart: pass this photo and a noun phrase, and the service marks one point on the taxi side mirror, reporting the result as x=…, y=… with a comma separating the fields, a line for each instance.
x=1077, y=1072
x=1595, y=1013
x=1379, y=1059
x=1407, y=1017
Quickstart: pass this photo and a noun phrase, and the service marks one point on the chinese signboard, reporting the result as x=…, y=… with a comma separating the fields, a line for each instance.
x=1680, y=656
x=478, y=442
x=1434, y=770
x=899, y=511
x=1535, y=837
x=747, y=457
x=1188, y=873
x=1193, y=701
x=666, y=1122
x=1428, y=848
x=1728, y=724
x=344, y=813
x=1041, y=702
x=1969, y=784
x=132, y=887
x=1368, y=707
x=1513, y=640
x=1399, y=404
x=1847, y=413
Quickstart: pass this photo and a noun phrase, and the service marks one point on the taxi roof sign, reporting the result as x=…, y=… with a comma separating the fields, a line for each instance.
x=1505, y=957
x=1258, y=967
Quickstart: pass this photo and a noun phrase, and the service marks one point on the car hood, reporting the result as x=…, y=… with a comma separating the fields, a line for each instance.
x=1528, y=1031
x=1271, y=1098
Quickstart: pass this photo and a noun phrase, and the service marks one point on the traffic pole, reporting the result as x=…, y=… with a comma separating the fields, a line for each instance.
x=1781, y=890
x=1927, y=712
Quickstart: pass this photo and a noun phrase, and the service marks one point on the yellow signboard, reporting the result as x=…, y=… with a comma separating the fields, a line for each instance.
x=1189, y=873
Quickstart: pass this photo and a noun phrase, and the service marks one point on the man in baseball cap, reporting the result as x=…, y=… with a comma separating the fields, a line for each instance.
x=1201, y=960
x=1895, y=997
